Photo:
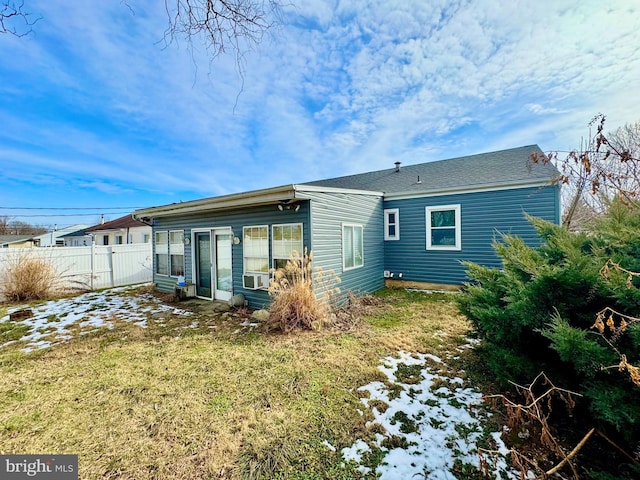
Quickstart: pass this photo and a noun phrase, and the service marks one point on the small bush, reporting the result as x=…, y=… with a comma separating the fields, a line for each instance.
x=27, y=277
x=296, y=303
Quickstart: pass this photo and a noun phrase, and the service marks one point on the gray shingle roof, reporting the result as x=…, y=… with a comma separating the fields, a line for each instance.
x=503, y=168
x=6, y=239
x=78, y=233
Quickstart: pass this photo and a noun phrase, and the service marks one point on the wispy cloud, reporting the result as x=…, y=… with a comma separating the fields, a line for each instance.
x=95, y=99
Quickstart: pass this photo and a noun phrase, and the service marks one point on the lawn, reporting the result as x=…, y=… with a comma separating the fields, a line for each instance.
x=143, y=390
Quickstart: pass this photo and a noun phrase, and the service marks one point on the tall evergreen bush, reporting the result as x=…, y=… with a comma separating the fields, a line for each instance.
x=538, y=313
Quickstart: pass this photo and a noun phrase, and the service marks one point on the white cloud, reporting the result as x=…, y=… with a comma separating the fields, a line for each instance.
x=340, y=87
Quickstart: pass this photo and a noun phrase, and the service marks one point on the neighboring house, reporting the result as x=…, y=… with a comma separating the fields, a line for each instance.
x=55, y=238
x=16, y=241
x=412, y=224
x=121, y=231
x=77, y=238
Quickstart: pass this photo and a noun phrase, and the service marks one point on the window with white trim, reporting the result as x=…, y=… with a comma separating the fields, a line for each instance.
x=162, y=253
x=176, y=252
x=255, y=247
x=285, y=239
x=119, y=240
x=443, y=227
x=352, y=246
x=392, y=224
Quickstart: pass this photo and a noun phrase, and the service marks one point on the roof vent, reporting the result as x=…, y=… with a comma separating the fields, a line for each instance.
x=419, y=181
x=397, y=164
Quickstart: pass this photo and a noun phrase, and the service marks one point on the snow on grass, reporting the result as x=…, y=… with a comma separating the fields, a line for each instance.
x=53, y=321
x=432, y=424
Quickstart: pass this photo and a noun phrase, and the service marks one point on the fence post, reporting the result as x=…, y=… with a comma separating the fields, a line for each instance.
x=93, y=261
x=110, y=254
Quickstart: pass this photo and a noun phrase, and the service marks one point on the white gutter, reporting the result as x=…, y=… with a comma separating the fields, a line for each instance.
x=318, y=188
x=255, y=197
x=462, y=190
x=234, y=200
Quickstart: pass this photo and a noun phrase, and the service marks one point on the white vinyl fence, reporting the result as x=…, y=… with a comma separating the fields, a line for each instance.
x=91, y=267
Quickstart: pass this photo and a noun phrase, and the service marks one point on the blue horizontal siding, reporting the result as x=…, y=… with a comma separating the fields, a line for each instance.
x=328, y=213
x=484, y=216
x=236, y=219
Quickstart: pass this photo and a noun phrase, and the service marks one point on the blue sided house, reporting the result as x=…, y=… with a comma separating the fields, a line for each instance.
x=407, y=225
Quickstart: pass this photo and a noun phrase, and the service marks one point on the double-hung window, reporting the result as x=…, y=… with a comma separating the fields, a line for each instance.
x=162, y=253
x=169, y=251
x=392, y=224
x=352, y=246
x=285, y=240
x=443, y=228
x=256, y=249
x=176, y=252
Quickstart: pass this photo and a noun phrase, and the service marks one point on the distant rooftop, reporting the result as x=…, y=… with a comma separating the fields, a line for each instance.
x=7, y=239
x=123, y=222
x=493, y=169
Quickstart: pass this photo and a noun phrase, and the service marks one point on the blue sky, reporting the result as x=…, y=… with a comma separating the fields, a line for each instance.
x=95, y=110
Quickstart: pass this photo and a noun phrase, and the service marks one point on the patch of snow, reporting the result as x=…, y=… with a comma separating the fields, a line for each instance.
x=438, y=421
x=354, y=453
x=422, y=290
x=51, y=320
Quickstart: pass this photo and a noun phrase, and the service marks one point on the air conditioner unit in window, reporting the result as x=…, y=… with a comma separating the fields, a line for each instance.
x=254, y=281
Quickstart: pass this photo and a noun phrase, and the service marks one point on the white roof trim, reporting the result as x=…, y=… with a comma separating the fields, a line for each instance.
x=255, y=197
x=293, y=191
x=462, y=191
x=234, y=200
x=317, y=188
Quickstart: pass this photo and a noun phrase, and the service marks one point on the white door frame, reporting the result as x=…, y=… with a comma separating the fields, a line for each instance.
x=212, y=231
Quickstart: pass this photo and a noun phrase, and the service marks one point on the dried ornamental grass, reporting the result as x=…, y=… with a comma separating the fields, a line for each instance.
x=27, y=278
x=295, y=304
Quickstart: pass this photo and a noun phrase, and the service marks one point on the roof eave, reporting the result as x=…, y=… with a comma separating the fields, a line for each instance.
x=319, y=188
x=255, y=197
x=469, y=189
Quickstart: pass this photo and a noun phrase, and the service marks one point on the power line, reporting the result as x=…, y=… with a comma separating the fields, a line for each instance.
x=65, y=214
x=71, y=208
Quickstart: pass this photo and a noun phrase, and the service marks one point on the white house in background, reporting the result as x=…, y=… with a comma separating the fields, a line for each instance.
x=79, y=238
x=120, y=231
x=53, y=238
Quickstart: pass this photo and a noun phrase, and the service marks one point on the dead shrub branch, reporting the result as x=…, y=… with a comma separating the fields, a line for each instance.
x=535, y=411
x=613, y=323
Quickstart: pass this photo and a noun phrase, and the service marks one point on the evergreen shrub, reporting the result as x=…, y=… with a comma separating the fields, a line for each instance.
x=539, y=313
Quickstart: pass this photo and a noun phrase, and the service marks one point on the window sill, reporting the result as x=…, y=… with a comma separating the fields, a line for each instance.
x=445, y=249
x=346, y=269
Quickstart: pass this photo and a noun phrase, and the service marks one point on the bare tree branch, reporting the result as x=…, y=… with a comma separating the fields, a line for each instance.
x=604, y=167
x=12, y=13
x=221, y=24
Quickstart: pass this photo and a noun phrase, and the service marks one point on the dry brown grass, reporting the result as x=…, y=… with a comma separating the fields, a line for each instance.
x=159, y=404
x=28, y=277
